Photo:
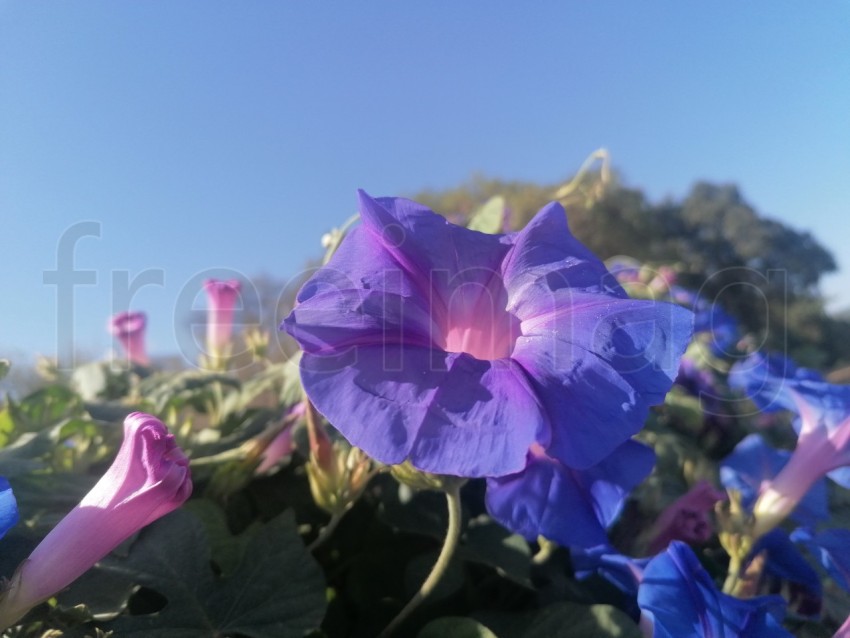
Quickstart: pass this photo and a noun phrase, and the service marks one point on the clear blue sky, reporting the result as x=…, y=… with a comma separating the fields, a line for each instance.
x=231, y=135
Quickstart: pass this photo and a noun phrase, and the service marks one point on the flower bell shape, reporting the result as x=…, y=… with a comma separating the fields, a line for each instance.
x=148, y=479
x=222, y=297
x=8, y=507
x=458, y=350
x=678, y=599
x=822, y=448
x=753, y=464
x=129, y=329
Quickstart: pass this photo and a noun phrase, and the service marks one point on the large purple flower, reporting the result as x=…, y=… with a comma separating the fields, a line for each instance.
x=458, y=350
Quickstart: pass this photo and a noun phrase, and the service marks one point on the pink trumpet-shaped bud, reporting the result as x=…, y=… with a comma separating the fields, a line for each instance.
x=222, y=302
x=129, y=329
x=148, y=479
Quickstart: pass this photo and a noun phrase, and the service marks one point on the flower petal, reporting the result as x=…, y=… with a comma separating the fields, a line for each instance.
x=449, y=413
x=682, y=601
x=571, y=507
x=8, y=507
x=599, y=364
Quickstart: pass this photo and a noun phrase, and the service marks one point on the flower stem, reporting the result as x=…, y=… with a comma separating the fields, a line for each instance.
x=326, y=531
x=442, y=564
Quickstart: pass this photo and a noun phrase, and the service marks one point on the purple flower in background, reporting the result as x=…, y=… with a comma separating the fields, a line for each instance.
x=129, y=329
x=753, y=464
x=822, y=448
x=571, y=507
x=769, y=379
x=459, y=350
x=687, y=519
x=148, y=479
x=8, y=507
x=678, y=599
x=222, y=296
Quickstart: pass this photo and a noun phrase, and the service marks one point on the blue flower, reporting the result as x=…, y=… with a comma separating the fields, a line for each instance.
x=8, y=507
x=459, y=350
x=753, y=463
x=710, y=319
x=679, y=600
x=832, y=548
x=623, y=572
x=784, y=562
x=571, y=507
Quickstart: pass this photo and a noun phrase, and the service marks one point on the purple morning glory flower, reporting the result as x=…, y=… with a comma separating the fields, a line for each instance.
x=8, y=507
x=832, y=547
x=679, y=600
x=753, y=464
x=459, y=350
x=534, y=501
x=823, y=448
x=768, y=380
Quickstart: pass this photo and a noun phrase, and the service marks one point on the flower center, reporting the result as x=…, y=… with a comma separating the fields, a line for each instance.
x=478, y=324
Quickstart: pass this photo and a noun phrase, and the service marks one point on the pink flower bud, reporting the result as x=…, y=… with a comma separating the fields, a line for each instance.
x=148, y=479
x=687, y=518
x=222, y=301
x=129, y=329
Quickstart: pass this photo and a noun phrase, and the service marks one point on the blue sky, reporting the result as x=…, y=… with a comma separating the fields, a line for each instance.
x=211, y=135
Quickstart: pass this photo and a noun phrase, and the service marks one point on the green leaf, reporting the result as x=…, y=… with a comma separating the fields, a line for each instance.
x=455, y=627
x=488, y=218
x=563, y=620
x=277, y=589
x=5, y=366
x=491, y=544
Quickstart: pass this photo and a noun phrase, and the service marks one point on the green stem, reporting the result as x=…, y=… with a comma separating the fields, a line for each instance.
x=440, y=567
x=733, y=576
x=325, y=532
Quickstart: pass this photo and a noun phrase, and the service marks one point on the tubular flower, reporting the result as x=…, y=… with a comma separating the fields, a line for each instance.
x=148, y=479
x=129, y=329
x=222, y=296
x=753, y=464
x=823, y=448
x=459, y=350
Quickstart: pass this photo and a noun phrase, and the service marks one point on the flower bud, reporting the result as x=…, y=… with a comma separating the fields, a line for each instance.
x=129, y=329
x=222, y=296
x=148, y=479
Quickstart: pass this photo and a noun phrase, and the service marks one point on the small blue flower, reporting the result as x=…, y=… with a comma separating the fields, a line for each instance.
x=753, y=463
x=679, y=600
